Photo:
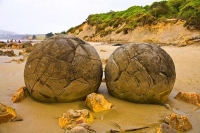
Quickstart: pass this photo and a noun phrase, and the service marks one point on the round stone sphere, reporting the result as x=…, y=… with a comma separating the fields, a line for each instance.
x=140, y=73
x=63, y=68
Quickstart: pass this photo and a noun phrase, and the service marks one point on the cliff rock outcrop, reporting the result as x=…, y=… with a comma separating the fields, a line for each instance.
x=168, y=32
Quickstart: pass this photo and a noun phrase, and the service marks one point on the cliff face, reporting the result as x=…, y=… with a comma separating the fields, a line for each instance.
x=169, y=32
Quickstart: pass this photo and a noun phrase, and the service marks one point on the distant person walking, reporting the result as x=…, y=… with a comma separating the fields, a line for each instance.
x=19, y=41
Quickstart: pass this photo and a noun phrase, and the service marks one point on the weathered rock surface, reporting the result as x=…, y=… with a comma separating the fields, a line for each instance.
x=97, y=102
x=35, y=45
x=63, y=69
x=8, y=114
x=178, y=122
x=141, y=73
x=190, y=97
x=19, y=95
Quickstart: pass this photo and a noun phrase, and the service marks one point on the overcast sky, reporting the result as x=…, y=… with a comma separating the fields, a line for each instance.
x=44, y=16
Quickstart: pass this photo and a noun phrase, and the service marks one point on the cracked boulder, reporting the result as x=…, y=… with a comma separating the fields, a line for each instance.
x=62, y=69
x=140, y=73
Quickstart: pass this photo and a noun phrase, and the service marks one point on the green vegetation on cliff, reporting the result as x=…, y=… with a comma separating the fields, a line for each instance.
x=188, y=10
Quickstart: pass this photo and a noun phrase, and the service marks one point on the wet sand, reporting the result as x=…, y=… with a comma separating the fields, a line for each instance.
x=43, y=117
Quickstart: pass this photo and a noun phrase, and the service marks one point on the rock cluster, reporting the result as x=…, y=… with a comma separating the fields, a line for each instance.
x=63, y=69
x=7, y=53
x=141, y=73
x=76, y=120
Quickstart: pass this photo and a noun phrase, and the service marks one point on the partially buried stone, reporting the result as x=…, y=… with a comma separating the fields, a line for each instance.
x=19, y=95
x=141, y=73
x=97, y=102
x=63, y=68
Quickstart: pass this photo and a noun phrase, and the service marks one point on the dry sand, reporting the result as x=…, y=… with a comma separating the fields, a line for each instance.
x=43, y=117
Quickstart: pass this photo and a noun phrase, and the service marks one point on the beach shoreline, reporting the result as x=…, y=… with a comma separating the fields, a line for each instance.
x=43, y=117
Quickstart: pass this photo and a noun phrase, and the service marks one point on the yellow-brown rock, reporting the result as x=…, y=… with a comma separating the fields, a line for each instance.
x=103, y=50
x=63, y=121
x=190, y=97
x=97, y=102
x=19, y=95
x=8, y=114
x=178, y=122
x=72, y=118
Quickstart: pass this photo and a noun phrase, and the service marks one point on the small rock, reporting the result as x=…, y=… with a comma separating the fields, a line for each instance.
x=19, y=95
x=190, y=97
x=18, y=60
x=97, y=102
x=102, y=50
x=118, y=44
x=8, y=114
x=178, y=122
x=73, y=113
x=165, y=128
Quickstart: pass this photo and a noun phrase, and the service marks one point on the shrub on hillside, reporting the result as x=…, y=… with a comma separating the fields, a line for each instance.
x=158, y=9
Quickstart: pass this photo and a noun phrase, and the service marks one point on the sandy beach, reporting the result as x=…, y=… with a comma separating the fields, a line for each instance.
x=43, y=117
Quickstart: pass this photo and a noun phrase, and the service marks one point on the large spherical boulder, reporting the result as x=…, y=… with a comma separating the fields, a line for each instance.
x=63, y=69
x=140, y=73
